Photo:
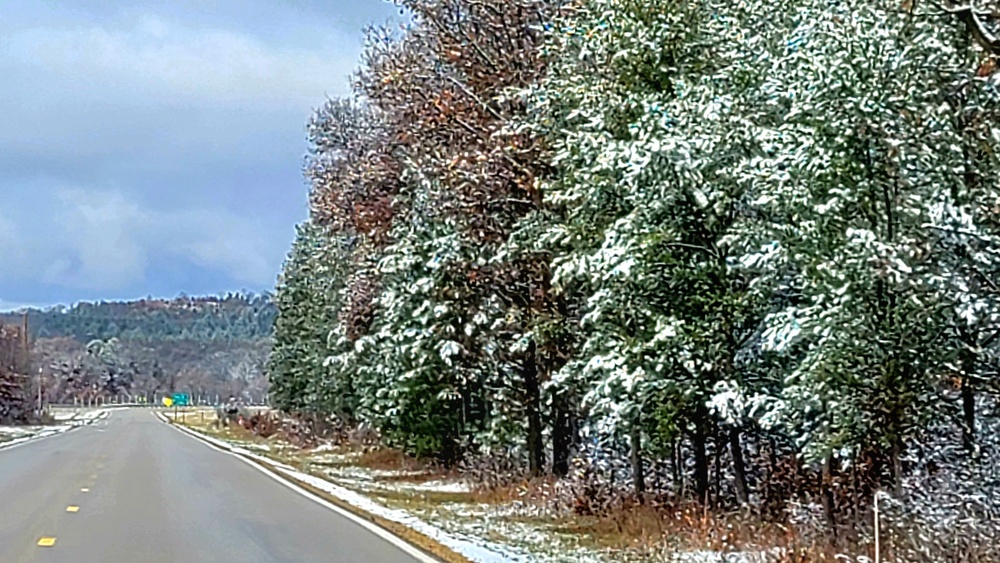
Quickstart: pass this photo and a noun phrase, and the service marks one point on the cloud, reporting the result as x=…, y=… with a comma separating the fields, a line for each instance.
x=158, y=89
x=12, y=252
x=8, y=238
x=103, y=241
x=161, y=60
x=157, y=147
x=101, y=237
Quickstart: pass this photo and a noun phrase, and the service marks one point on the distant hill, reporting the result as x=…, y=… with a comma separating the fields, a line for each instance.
x=205, y=346
x=232, y=317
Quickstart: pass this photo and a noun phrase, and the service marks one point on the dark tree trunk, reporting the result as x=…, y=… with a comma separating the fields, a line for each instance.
x=717, y=440
x=562, y=436
x=638, y=471
x=826, y=494
x=700, y=461
x=678, y=463
x=536, y=451
x=739, y=468
x=968, y=359
x=968, y=414
x=897, y=465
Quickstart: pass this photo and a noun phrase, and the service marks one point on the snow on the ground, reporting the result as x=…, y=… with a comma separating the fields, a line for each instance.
x=439, y=486
x=19, y=431
x=10, y=435
x=483, y=533
x=476, y=549
x=326, y=458
x=473, y=548
x=88, y=416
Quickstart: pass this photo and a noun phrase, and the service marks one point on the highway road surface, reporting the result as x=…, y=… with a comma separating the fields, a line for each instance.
x=132, y=489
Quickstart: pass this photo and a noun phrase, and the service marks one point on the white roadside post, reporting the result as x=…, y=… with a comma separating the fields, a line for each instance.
x=877, y=550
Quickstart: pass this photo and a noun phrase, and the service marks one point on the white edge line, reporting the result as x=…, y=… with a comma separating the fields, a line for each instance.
x=368, y=525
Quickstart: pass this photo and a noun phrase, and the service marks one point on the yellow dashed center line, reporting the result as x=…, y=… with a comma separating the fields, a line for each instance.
x=46, y=542
x=72, y=509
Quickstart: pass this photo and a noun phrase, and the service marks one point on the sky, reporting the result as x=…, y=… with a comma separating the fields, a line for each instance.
x=154, y=148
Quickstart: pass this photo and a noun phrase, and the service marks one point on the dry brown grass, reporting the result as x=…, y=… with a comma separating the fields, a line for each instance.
x=533, y=491
x=651, y=527
x=390, y=459
x=424, y=477
x=647, y=528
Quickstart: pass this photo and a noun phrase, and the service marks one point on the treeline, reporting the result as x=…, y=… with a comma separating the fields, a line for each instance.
x=205, y=346
x=750, y=245
x=234, y=316
x=74, y=371
x=14, y=368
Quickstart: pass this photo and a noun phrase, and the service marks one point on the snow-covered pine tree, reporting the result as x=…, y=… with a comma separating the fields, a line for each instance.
x=441, y=87
x=859, y=164
x=651, y=106
x=309, y=298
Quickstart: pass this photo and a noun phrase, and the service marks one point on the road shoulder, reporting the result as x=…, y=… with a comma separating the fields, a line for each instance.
x=400, y=533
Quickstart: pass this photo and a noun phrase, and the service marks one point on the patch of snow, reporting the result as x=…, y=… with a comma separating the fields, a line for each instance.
x=439, y=486
x=12, y=432
x=12, y=435
x=475, y=549
x=335, y=458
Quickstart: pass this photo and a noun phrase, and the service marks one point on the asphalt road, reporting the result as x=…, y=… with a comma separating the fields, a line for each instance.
x=145, y=492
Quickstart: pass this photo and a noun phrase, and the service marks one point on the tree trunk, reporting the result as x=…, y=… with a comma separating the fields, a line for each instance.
x=897, y=465
x=969, y=414
x=678, y=463
x=717, y=462
x=968, y=358
x=533, y=411
x=826, y=494
x=739, y=469
x=562, y=436
x=700, y=462
x=638, y=472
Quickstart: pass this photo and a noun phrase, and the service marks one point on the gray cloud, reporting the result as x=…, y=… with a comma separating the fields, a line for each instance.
x=156, y=147
x=104, y=241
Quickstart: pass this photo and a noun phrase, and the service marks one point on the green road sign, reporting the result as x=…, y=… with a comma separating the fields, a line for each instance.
x=180, y=399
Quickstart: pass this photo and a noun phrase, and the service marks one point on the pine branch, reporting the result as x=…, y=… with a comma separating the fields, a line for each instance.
x=972, y=18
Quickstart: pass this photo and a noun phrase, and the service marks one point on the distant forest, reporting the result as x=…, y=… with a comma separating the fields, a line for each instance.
x=208, y=347
x=235, y=316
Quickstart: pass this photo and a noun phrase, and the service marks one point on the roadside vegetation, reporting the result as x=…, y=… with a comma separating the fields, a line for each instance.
x=700, y=276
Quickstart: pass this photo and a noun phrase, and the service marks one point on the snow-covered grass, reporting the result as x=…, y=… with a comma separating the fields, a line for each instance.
x=65, y=419
x=8, y=433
